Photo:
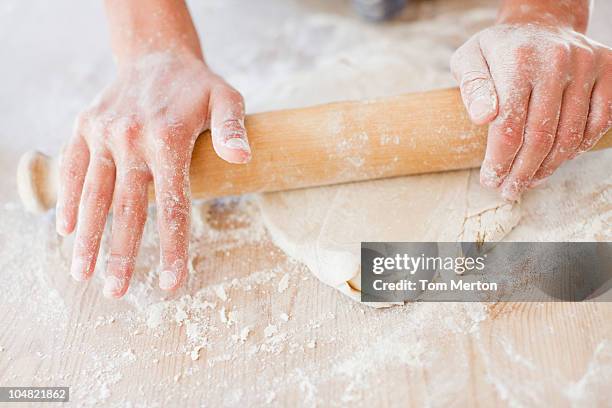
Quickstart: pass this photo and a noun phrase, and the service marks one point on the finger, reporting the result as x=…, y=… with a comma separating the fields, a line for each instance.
x=129, y=216
x=600, y=114
x=227, y=125
x=570, y=131
x=505, y=135
x=171, y=178
x=95, y=202
x=72, y=170
x=539, y=136
x=477, y=88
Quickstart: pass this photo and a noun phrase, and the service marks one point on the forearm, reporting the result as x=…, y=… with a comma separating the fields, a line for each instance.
x=569, y=13
x=140, y=27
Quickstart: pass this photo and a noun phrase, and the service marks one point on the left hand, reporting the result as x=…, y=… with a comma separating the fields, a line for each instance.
x=546, y=92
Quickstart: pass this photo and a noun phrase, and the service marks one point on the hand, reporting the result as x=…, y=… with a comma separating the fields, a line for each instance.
x=142, y=129
x=546, y=92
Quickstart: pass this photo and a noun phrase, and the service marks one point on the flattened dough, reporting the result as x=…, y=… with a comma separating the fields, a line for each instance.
x=323, y=227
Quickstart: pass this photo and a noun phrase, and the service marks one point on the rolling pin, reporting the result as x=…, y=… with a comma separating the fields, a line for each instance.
x=320, y=145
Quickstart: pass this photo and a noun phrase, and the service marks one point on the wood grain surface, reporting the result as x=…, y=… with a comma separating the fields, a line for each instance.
x=334, y=351
x=54, y=331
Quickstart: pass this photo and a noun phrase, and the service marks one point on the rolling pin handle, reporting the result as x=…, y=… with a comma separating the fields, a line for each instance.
x=36, y=181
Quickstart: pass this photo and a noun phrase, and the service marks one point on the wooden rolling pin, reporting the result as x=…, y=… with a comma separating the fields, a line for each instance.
x=320, y=145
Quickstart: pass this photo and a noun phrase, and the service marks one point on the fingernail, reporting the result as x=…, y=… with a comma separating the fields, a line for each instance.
x=112, y=286
x=77, y=269
x=62, y=227
x=480, y=108
x=167, y=280
x=488, y=176
x=238, y=143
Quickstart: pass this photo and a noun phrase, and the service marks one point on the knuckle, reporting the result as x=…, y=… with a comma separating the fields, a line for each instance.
x=128, y=205
x=175, y=209
x=99, y=127
x=127, y=125
x=134, y=171
x=93, y=195
x=167, y=137
x=126, y=133
x=69, y=169
x=561, y=53
x=540, y=139
x=524, y=54
x=231, y=95
x=510, y=134
x=569, y=140
x=585, y=57
x=234, y=95
x=81, y=122
x=122, y=263
x=474, y=83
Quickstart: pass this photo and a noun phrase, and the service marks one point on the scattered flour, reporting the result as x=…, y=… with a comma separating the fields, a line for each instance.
x=221, y=327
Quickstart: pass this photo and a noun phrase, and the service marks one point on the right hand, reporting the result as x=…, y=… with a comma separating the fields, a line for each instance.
x=141, y=129
x=546, y=91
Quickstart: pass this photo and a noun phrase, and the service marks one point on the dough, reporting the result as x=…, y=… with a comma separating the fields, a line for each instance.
x=323, y=227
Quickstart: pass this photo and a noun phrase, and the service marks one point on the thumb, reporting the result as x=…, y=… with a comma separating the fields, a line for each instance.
x=227, y=125
x=477, y=88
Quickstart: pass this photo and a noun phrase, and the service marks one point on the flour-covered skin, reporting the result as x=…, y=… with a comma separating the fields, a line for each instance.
x=544, y=88
x=142, y=129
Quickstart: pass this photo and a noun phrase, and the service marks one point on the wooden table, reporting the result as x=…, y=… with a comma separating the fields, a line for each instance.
x=330, y=352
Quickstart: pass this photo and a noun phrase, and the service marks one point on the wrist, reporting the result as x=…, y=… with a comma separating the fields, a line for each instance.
x=168, y=60
x=144, y=27
x=573, y=14
x=131, y=55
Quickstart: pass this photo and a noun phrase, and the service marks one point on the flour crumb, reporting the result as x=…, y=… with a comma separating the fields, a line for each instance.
x=270, y=397
x=220, y=292
x=223, y=316
x=195, y=353
x=155, y=315
x=203, y=305
x=270, y=330
x=243, y=335
x=104, y=392
x=232, y=317
x=284, y=317
x=284, y=283
x=180, y=316
x=129, y=355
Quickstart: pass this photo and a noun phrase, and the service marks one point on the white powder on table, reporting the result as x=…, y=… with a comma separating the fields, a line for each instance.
x=403, y=341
